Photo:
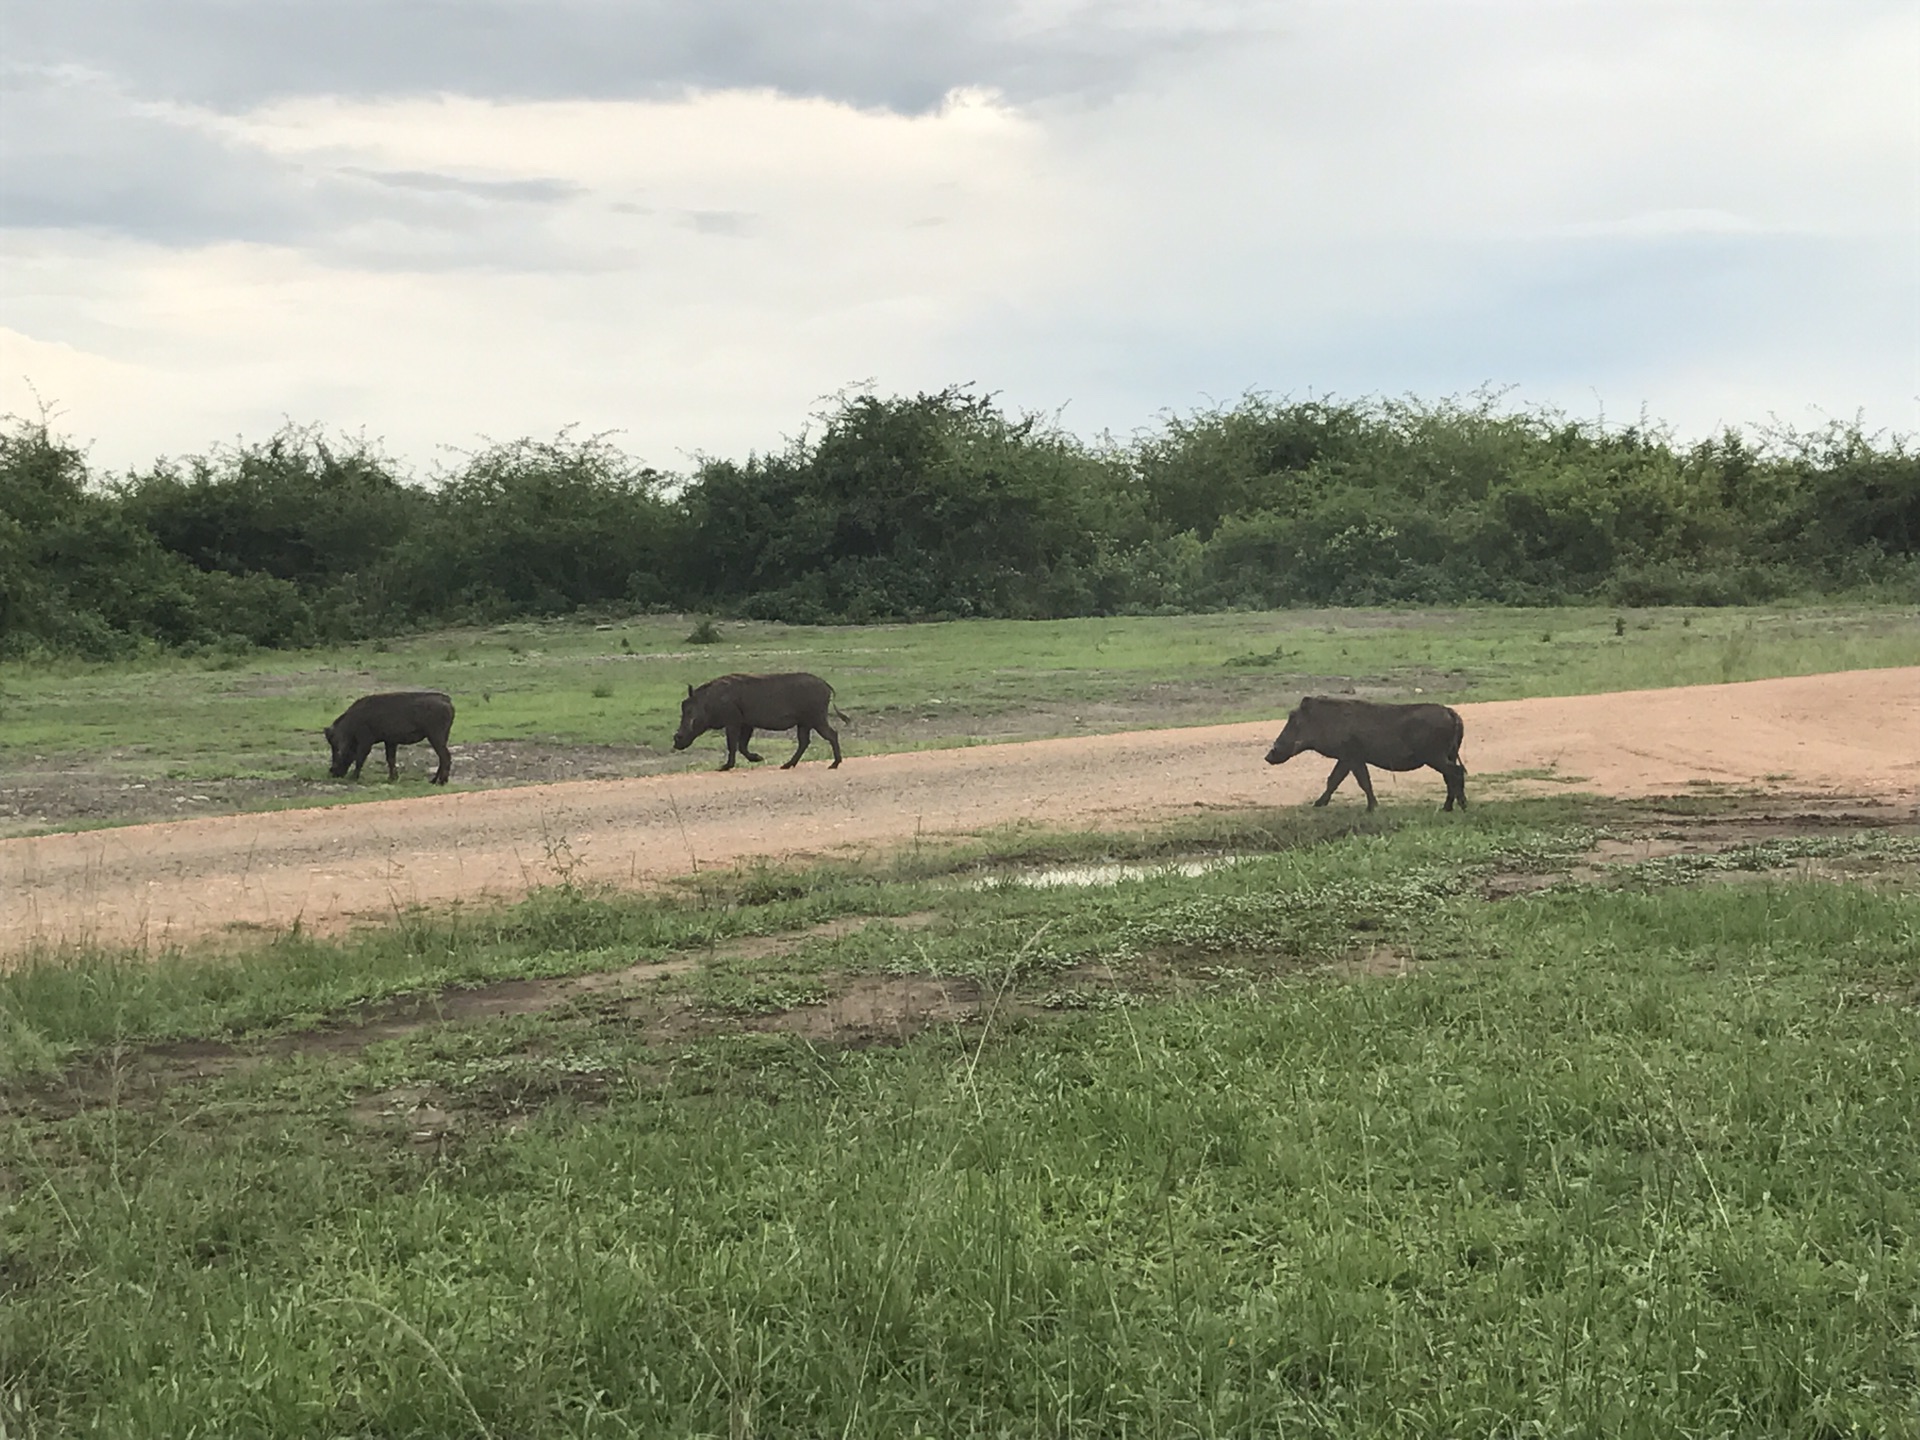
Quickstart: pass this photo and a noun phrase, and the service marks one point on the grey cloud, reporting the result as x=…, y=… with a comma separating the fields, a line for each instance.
x=100, y=100
x=721, y=222
x=902, y=55
x=536, y=192
x=103, y=103
x=78, y=154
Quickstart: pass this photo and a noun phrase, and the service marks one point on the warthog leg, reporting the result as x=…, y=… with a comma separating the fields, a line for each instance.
x=805, y=735
x=1456, y=777
x=1340, y=772
x=393, y=770
x=446, y=759
x=1343, y=769
x=746, y=739
x=1366, y=782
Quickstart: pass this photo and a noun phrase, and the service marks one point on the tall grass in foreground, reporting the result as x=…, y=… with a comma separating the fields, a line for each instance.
x=1636, y=1162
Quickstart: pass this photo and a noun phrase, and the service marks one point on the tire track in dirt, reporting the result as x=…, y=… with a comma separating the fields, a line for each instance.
x=154, y=886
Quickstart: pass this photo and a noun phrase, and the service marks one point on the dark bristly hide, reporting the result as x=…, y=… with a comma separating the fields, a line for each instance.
x=403, y=717
x=1357, y=733
x=738, y=705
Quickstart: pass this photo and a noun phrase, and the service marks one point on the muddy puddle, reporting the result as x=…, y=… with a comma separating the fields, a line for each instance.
x=1102, y=873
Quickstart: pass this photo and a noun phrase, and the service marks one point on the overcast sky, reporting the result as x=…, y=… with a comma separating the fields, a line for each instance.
x=689, y=220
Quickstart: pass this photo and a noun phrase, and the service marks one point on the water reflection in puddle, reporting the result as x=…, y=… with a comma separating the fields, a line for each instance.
x=1110, y=873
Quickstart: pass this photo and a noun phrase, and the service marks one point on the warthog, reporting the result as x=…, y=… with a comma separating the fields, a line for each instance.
x=742, y=704
x=1358, y=733
x=405, y=717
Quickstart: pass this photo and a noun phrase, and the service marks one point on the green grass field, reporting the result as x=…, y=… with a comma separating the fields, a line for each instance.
x=1403, y=1124
x=84, y=743
x=1320, y=1141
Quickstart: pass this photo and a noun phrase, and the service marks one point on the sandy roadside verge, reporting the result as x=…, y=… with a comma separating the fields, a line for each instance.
x=1855, y=733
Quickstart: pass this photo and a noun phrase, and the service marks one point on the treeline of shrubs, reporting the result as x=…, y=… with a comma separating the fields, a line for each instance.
x=944, y=505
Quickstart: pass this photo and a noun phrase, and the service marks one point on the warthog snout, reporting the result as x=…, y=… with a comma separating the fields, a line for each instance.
x=1286, y=744
x=691, y=722
x=342, y=754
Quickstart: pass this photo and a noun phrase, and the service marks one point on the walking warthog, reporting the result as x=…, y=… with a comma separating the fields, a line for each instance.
x=1358, y=733
x=405, y=717
x=742, y=704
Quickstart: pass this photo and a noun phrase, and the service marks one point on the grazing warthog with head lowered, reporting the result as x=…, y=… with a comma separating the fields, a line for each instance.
x=405, y=717
x=1358, y=733
x=742, y=704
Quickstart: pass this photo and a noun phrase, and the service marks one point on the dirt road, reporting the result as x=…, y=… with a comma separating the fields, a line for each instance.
x=1856, y=733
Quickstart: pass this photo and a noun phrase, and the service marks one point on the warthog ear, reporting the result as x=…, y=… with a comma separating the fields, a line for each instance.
x=689, y=692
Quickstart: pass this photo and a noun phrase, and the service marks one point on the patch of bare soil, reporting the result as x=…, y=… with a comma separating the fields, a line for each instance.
x=1716, y=827
x=119, y=789
x=421, y=1112
x=40, y=796
x=532, y=762
x=156, y=886
x=136, y=1076
x=132, y=1077
x=859, y=1011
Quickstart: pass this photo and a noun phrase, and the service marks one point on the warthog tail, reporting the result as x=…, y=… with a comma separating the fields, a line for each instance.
x=840, y=714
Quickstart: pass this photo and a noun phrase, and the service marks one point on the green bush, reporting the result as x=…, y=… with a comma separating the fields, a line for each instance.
x=536, y=528
x=942, y=505
x=296, y=508
x=83, y=577
x=934, y=506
